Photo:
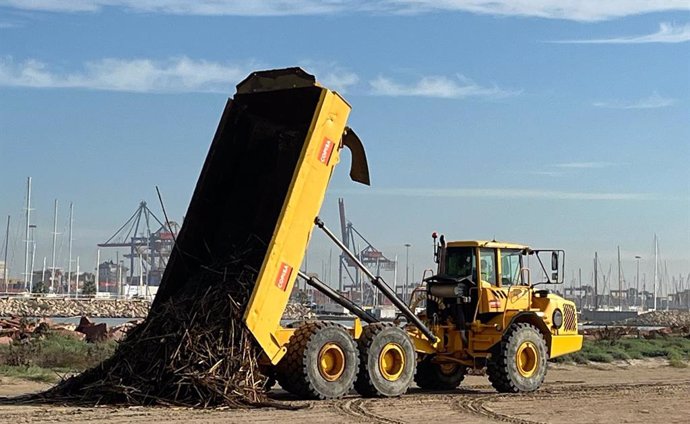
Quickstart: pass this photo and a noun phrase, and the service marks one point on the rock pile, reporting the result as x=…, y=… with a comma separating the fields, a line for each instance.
x=66, y=307
x=661, y=318
x=295, y=311
x=16, y=329
x=631, y=332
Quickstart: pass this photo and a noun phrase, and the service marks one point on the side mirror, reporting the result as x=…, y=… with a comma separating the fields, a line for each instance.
x=554, y=261
x=434, y=236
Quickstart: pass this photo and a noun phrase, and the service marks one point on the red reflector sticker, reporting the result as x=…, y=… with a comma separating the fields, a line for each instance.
x=284, y=273
x=326, y=150
x=494, y=304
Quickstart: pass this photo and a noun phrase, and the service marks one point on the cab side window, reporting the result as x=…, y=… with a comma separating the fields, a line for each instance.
x=488, y=265
x=459, y=262
x=510, y=267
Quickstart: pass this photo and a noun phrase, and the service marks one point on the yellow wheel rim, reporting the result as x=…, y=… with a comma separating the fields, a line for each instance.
x=527, y=359
x=392, y=361
x=331, y=362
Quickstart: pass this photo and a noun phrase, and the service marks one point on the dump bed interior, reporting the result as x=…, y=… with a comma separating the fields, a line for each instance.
x=261, y=186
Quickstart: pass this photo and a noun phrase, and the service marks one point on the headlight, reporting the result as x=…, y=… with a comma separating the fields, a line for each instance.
x=557, y=318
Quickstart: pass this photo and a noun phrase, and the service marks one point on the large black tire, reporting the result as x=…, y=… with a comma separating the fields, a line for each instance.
x=519, y=362
x=309, y=369
x=433, y=376
x=387, y=361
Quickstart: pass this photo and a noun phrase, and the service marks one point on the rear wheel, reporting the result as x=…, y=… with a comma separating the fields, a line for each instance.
x=387, y=361
x=439, y=376
x=519, y=364
x=321, y=361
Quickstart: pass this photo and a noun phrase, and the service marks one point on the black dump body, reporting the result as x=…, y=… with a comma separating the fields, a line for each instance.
x=243, y=184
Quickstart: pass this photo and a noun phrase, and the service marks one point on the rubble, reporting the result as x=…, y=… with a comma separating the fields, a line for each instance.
x=69, y=307
x=15, y=328
x=622, y=332
x=296, y=311
x=660, y=318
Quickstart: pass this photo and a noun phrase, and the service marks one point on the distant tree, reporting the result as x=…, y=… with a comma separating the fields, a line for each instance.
x=39, y=287
x=89, y=288
x=302, y=297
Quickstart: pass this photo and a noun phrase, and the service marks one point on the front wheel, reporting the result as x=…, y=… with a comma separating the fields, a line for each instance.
x=519, y=364
x=439, y=376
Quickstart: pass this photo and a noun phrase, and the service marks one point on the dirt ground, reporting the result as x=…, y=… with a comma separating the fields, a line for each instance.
x=639, y=392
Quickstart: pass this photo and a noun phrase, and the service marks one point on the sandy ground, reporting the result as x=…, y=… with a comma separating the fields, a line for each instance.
x=640, y=392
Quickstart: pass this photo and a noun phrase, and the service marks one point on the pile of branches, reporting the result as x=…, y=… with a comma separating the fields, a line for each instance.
x=192, y=350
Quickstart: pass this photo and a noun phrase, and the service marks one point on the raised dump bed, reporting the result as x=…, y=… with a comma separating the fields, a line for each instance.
x=261, y=187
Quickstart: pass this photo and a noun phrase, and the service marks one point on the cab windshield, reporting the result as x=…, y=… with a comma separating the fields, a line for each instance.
x=460, y=262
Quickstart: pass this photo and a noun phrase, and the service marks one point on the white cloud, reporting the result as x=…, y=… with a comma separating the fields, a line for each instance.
x=578, y=10
x=184, y=7
x=542, y=173
x=331, y=75
x=667, y=33
x=437, y=86
x=652, y=102
x=584, y=165
x=497, y=193
x=180, y=74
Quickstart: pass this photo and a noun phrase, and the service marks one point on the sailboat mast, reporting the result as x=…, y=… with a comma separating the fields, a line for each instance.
x=28, y=222
x=52, y=274
x=596, y=283
x=43, y=272
x=7, y=238
x=98, y=269
x=579, y=277
x=620, y=282
x=76, y=279
x=69, y=259
x=656, y=267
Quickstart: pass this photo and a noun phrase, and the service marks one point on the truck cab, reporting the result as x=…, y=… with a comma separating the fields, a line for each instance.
x=487, y=296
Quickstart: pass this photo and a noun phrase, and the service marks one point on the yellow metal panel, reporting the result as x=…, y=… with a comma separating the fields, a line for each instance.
x=485, y=243
x=518, y=298
x=357, y=329
x=560, y=345
x=320, y=153
x=492, y=299
x=483, y=342
x=421, y=343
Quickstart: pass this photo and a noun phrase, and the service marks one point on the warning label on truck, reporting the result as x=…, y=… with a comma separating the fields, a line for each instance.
x=326, y=150
x=284, y=273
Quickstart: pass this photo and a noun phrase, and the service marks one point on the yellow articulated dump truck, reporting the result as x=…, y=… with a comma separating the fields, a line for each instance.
x=265, y=179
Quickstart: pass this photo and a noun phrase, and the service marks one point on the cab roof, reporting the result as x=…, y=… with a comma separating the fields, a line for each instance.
x=485, y=243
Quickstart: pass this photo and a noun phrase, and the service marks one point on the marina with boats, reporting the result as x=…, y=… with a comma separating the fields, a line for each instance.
x=130, y=264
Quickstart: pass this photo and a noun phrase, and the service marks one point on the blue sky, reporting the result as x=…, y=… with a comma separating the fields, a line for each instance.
x=555, y=124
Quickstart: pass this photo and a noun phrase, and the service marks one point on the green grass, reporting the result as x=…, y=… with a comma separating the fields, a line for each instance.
x=32, y=373
x=675, y=349
x=46, y=358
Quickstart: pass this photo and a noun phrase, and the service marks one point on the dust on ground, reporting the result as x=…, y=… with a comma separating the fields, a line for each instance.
x=634, y=392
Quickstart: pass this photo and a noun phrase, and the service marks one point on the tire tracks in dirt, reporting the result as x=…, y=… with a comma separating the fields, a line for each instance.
x=477, y=404
x=357, y=408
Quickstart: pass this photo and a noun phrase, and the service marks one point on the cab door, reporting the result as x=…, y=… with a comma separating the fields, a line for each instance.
x=491, y=299
x=512, y=284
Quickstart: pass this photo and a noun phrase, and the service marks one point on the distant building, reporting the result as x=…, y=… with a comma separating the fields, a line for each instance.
x=111, y=277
